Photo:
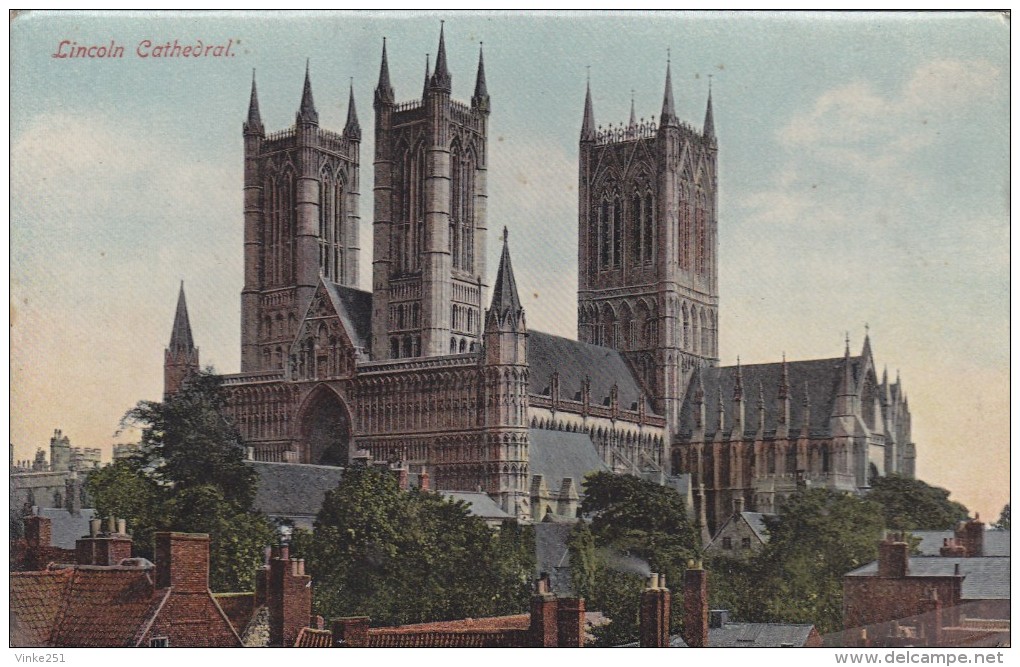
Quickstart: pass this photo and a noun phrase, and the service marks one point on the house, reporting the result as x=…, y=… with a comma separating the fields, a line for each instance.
x=741, y=536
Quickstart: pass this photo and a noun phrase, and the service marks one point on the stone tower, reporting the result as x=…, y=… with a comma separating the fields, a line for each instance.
x=647, y=246
x=181, y=357
x=300, y=223
x=505, y=382
x=428, y=263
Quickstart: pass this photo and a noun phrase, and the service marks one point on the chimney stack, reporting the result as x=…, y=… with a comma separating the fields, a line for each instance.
x=971, y=534
x=182, y=561
x=893, y=556
x=570, y=623
x=695, y=632
x=544, y=605
x=654, y=613
x=738, y=505
x=350, y=632
x=104, y=548
x=289, y=598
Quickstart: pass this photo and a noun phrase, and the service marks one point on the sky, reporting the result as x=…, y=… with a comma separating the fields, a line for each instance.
x=863, y=171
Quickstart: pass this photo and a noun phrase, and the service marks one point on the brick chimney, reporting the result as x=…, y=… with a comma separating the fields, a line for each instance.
x=182, y=561
x=695, y=632
x=350, y=632
x=971, y=534
x=289, y=597
x=654, y=614
x=38, y=532
x=952, y=548
x=103, y=547
x=570, y=623
x=543, y=631
x=893, y=556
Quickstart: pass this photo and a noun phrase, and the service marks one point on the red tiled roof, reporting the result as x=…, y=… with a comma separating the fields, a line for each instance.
x=36, y=599
x=107, y=607
x=239, y=608
x=312, y=638
x=515, y=622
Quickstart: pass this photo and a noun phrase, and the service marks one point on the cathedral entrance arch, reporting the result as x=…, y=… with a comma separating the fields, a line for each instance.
x=325, y=428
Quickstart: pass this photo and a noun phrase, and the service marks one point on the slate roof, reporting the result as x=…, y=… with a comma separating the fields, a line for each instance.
x=756, y=521
x=574, y=360
x=749, y=635
x=354, y=307
x=479, y=504
x=552, y=555
x=984, y=578
x=996, y=542
x=559, y=454
x=293, y=490
x=66, y=527
x=821, y=377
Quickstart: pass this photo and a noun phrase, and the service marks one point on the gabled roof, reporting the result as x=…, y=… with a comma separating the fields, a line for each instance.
x=818, y=377
x=293, y=489
x=574, y=360
x=479, y=504
x=312, y=638
x=552, y=555
x=354, y=307
x=756, y=521
x=996, y=542
x=107, y=606
x=559, y=454
x=759, y=635
x=985, y=578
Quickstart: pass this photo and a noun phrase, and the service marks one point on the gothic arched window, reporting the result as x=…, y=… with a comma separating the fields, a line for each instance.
x=637, y=241
x=648, y=230
x=605, y=234
x=617, y=232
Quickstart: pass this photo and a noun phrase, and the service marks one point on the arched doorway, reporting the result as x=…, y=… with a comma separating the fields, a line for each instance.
x=326, y=429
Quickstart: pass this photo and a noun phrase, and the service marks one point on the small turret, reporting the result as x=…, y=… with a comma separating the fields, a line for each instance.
x=352, y=129
x=761, y=408
x=306, y=112
x=181, y=357
x=709, y=129
x=738, y=402
x=783, y=418
x=384, y=89
x=505, y=328
x=428, y=75
x=480, y=100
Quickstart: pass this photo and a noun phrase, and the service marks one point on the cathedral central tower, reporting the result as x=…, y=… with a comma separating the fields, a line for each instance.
x=647, y=246
x=428, y=267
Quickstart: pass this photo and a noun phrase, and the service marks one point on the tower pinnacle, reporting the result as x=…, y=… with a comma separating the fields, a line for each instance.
x=588, y=124
x=352, y=128
x=181, y=341
x=709, y=129
x=441, y=79
x=253, y=125
x=307, y=112
x=504, y=292
x=668, y=115
x=384, y=89
x=181, y=358
x=480, y=99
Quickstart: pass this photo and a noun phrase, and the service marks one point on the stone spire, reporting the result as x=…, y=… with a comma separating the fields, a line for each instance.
x=846, y=392
x=384, y=89
x=428, y=75
x=181, y=342
x=761, y=407
x=504, y=293
x=738, y=383
x=783, y=418
x=253, y=125
x=699, y=401
x=633, y=116
x=784, y=380
x=805, y=427
x=588, y=124
x=668, y=116
x=480, y=99
x=709, y=129
x=352, y=128
x=738, y=401
x=721, y=412
x=441, y=79
x=307, y=113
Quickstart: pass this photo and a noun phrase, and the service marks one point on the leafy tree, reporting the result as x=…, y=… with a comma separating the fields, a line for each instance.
x=1003, y=522
x=818, y=536
x=637, y=527
x=410, y=557
x=910, y=504
x=189, y=475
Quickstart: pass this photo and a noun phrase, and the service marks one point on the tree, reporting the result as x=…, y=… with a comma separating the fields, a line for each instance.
x=1003, y=522
x=411, y=557
x=910, y=504
x=818, y=536
x=189, y=475
x=636, y=527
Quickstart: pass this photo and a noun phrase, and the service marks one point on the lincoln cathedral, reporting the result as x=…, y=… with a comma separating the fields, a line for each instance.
x=436, y=366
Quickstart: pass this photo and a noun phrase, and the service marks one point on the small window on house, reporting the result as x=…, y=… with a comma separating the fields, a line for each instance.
x=159, y=642
x=745, y=543
x=727, y=543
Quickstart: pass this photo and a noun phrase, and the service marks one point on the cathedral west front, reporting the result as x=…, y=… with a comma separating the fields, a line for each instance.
x=436, y=366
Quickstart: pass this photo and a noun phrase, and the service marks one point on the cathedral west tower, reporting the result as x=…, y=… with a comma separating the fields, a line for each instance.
x=428, y=272
x=647, y=246
x=300, y=223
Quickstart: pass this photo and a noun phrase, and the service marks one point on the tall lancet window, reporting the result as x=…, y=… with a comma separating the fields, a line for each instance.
x=409, y=204
x=637, y=241
x=617, y=232
x=331, y=216
x=461, y=241
x=648, y=229
x=605, y=233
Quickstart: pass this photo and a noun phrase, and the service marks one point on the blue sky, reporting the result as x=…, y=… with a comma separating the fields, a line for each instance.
x=863, y=178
